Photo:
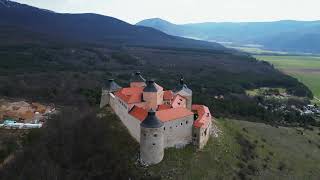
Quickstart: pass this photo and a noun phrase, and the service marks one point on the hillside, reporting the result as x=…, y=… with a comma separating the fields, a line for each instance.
x=92, y=28
x=292, y=36
x=68, y=149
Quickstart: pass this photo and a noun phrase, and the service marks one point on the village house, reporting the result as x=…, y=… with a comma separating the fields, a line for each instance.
x=158, y=118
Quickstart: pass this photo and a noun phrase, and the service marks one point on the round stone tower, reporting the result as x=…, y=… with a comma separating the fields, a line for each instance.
x=151, y=139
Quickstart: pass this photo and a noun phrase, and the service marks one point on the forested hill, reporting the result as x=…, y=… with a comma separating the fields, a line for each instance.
x=292, y=36
x=92, y=28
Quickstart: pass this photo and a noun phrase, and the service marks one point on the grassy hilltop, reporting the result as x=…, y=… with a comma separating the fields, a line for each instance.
x=246, y=150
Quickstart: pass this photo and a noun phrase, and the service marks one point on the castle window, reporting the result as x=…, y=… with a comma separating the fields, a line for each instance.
x=181, y=124
x=153, y=144
x=155, y=135
x=170, y=127
x=186, y=122
x=144, y=135
x=164, y=128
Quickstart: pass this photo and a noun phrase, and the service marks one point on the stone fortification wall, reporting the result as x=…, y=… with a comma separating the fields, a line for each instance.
x=120, y=108
x=104, y=98
x=178, y=133
x=201, y=136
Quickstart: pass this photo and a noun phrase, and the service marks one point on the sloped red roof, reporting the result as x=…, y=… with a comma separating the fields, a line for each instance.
x=168, y=95
x=139, y=113
x=130, y=95
x=204, y=116
x=164, y=115
x=163, y=107
x=173, y=114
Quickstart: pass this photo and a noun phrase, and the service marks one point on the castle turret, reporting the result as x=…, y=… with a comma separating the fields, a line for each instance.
x=153, y=94
x=137, y=80
x=151, y=139
x=183, y=90
x=110, y=87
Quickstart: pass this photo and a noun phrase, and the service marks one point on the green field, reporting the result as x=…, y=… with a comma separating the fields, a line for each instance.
x=305, y=68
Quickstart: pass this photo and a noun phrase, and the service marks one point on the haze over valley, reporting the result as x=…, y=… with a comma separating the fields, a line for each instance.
x=286, y=35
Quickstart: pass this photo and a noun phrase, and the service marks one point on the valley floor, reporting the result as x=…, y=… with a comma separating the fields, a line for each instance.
x=305, y=68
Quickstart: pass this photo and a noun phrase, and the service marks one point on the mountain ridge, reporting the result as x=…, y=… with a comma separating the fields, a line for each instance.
x=89, y=27
x=288, y=35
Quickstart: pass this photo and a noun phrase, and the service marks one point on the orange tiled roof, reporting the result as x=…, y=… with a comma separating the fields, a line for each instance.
x=130, y=95
x=164, y=115
x=204, y=116
x=139, y=113
x=163, y=107
x=173, y=114
x=168, y=95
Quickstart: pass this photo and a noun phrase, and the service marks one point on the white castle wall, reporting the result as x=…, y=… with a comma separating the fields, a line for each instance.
x=201, y=136
x=206, y=135
x=104, y=98
x=178, y=133
x=132, y=124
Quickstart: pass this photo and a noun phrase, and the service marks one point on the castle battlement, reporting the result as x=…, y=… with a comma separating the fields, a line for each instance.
x=158, y=118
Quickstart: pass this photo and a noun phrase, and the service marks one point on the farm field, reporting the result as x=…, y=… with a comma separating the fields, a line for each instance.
x=305, y=68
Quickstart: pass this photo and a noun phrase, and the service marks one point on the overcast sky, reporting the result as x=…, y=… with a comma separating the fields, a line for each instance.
x=189, y=11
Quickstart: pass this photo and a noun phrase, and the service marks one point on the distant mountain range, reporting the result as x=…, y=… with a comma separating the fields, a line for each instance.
x=89, y=28
x=291, y=36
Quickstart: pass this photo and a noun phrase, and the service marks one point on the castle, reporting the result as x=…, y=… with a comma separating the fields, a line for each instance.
x=158, y=118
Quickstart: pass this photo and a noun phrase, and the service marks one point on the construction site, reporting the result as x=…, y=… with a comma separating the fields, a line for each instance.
x=23, y=115
x=17, y=117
